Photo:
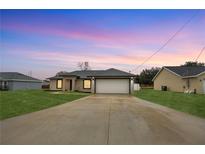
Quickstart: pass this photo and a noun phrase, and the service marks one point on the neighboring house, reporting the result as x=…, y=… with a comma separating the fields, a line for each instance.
x=181, y=79
x=15, y=81
x=94, y=81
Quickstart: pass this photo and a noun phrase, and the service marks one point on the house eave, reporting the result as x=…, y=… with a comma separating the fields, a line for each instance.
x=54, y=78
x=168, y=71
x=108, y=76
x=21, y=80
x=193, y=76
x=183, y=77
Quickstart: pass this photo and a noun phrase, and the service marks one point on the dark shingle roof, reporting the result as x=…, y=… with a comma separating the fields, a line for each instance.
x=113, y=73
x=96, y=73
x=186, y=71
x=16, y=76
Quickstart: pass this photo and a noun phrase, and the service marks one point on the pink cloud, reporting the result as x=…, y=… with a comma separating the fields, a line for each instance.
x=130, y=59
x=95, y=34
x=81, y=33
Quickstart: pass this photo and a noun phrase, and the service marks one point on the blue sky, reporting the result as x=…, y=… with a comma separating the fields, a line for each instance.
x=48, y=41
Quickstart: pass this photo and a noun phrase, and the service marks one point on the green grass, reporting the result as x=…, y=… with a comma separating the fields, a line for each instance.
x=13, y=103
x=190, y=103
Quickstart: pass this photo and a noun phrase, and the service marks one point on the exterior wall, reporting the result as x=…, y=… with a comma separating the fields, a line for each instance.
x=172, y=81
x=65, y=86
x=10, y=85
x=131, y=85
x=79, y=86
x=178, y=84
x=93, y=85
x=53, y=85
x=18, y=85
x=196, y=83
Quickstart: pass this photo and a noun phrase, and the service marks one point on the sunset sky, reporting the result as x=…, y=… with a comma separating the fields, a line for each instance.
x=48, y=41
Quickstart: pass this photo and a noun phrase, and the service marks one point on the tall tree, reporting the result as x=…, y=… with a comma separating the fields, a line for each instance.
x=84, y=66
x=147, y=75
x=193, y=63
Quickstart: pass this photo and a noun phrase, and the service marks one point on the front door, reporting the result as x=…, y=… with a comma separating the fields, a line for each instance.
x=70, y=85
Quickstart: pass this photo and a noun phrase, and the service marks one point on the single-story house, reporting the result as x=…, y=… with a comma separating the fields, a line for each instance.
x=181, y=79
x=15, y=81
x=94, y=81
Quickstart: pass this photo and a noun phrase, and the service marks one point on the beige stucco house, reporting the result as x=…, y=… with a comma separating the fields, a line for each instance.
x=181, y=79
x=94, y=81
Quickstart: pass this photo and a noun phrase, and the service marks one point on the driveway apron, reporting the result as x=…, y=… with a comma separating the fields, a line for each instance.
x=104, y=119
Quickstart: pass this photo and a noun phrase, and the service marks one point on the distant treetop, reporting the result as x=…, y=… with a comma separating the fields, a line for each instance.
x=193, y=63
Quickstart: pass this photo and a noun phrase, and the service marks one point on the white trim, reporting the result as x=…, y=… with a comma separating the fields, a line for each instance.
x=193, y=76
x=203, y=85
x=21, y=80
x=157, y=73
x=172, y=72
x=183, y=77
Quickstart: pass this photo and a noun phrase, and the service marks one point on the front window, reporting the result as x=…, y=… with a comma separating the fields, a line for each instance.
x=86, y=84
x=59, y=84
x=4, y=85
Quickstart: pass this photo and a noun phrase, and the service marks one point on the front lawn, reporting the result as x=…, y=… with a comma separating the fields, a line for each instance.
x=13, y=103
x=190, y=103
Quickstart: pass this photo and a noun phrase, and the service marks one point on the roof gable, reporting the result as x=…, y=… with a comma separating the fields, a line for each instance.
x=97, y=73
x=183, y=71
x=112, y=72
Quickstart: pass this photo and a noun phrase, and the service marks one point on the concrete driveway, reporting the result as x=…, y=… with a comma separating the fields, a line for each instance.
x=104, y=119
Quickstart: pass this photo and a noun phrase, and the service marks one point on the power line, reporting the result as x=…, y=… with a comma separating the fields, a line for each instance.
x=169, y=40
x=200, y=53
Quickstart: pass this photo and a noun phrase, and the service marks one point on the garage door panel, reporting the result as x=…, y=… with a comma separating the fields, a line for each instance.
x=112, y=85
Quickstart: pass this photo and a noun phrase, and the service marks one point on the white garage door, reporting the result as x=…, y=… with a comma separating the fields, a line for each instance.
x=112, y=86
